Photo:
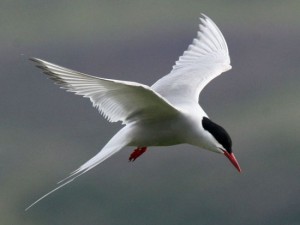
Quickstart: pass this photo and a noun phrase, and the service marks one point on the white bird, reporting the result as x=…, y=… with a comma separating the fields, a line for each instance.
x=167, y=113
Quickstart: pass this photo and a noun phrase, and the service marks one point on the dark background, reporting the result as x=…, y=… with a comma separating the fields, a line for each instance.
x=45, y=133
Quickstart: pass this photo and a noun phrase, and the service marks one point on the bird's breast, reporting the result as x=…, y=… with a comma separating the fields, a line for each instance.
x=165, y=132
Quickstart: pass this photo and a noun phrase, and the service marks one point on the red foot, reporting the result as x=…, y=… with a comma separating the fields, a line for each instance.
x=137, y=153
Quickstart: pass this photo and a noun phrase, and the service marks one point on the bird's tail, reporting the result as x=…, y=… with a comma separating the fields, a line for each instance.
x=116, y=143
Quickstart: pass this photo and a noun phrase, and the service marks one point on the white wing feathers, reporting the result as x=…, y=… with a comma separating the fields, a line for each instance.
x=116, y=100
x=206, y=58
x=209, y=45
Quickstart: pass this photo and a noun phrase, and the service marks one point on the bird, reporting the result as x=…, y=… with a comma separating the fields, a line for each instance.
x=164, y=114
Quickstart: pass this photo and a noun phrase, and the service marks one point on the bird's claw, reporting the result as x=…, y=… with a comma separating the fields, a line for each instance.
x=137, y=153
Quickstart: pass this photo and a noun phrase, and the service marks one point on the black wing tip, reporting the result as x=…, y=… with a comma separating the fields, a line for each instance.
x=39, y=63
x=45, y=70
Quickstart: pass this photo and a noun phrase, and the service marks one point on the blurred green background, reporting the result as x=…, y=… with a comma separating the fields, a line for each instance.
x=45, y=133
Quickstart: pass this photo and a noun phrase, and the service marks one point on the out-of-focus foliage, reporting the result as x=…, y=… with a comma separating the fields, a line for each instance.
x=46, y=133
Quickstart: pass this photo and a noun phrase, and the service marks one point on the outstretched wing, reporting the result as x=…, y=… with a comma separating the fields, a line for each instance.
x=116, y=100
x=206, y=58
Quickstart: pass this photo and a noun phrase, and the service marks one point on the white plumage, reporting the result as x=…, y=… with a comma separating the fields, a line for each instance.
x=166, y=113
x=206, y=58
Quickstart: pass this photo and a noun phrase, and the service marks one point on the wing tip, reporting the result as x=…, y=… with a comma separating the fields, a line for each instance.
x=35, y=60
x=202, y=15
x=204, y=18
x=209, y=41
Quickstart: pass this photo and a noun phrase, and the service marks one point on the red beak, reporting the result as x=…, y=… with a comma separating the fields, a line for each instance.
x=233, y=160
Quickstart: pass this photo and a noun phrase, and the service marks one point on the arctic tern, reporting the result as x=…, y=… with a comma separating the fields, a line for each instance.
x=167, y=113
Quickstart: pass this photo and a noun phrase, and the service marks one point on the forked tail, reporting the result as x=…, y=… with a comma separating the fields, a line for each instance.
x=116, y=143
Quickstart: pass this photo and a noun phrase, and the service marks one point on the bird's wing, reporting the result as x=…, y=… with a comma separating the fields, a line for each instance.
x=116, y=100
x=206, y=58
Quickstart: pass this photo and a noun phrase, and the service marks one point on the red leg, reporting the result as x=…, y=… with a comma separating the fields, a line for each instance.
x=137, y=153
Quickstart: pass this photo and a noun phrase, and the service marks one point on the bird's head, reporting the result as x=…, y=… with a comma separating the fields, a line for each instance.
x=221, y=141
